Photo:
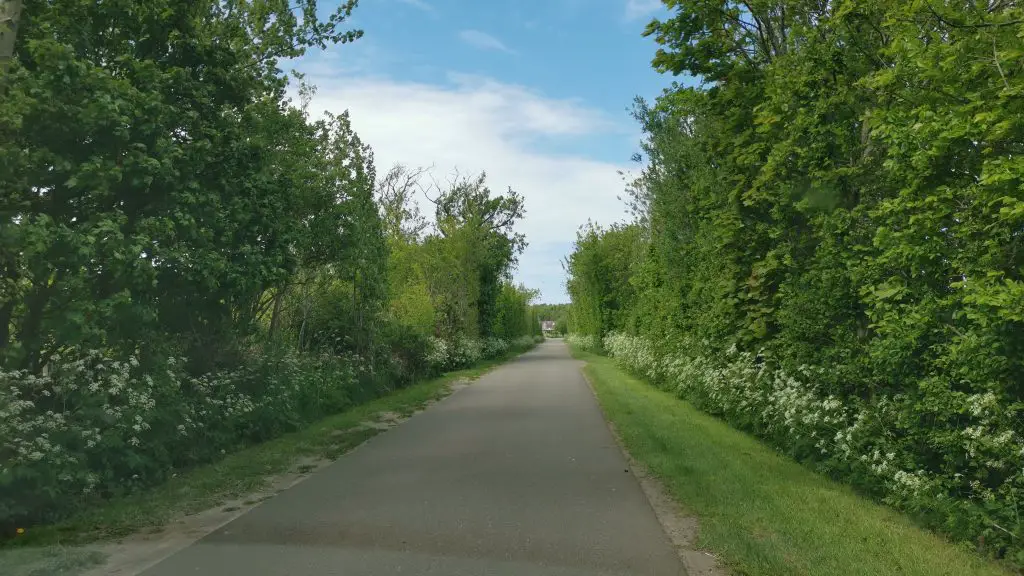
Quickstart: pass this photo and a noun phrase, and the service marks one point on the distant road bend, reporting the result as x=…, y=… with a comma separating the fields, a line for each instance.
x=516, y=474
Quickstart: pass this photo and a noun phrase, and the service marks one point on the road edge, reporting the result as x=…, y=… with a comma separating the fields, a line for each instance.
x=134, y=554
x=680, y=527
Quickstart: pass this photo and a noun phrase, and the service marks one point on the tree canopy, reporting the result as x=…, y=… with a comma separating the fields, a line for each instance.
x=189, y=262
x=842, y=190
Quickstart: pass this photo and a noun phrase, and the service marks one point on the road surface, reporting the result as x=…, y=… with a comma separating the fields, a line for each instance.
x=516, y=474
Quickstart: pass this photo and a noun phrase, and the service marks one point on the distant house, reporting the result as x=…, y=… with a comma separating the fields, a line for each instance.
x=547, y=325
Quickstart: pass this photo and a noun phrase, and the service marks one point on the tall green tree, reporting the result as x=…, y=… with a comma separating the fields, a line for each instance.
x=476, y=231
x=10, y=17
x=841, y=189
x=514, y=316
x=145, y=158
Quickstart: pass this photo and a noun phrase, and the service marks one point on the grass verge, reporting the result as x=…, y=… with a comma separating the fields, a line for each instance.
x=237, y=475
x=762, y=513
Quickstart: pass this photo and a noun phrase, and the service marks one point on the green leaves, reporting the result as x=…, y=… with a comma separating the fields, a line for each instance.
x=842, y=189
x=160, y=198
x=148, y=151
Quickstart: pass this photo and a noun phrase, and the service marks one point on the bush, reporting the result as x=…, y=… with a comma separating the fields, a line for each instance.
x=402, y=356
x=885, y=446
x=463, y=352
x=96, y=427
x=495, y=347
x=584, y=342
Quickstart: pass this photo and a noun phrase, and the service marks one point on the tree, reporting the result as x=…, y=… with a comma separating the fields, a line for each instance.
x=514, y=317
x=841, y=189
x=10, y=15
x=396, y=192
x=152, y=175
x=483, y=227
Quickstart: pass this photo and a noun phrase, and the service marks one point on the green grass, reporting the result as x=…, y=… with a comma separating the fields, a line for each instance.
x=48, y=561
x=237, y=475
x=763, y=513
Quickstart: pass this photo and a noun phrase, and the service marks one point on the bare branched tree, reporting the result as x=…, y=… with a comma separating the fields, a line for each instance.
x=396, y=195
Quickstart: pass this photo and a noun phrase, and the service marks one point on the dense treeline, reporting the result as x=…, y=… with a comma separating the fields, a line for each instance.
x=827, y=248
x=190, y=263
x=557, y=313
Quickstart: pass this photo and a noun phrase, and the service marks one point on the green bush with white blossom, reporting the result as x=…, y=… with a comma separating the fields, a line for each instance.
x=884, y=445
x=827, y=245
x=93, y=427
x=869, y=440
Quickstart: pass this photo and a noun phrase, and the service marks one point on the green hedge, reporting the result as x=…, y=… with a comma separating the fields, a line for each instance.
x=94, y=427
x=885, y=445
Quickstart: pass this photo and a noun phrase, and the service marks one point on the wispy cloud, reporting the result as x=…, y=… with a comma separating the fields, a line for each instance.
x=475, y=123
x=484, y=41
x=421, y=4
x=636, y=9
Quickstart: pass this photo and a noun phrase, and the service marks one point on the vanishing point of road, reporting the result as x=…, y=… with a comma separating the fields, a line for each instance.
x=515, y=474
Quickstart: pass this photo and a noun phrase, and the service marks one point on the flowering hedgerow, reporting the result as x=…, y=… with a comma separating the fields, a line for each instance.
x=584, y=342
x=495, y=347
x=955, y=460
x=95, y=426
x=455, y=354
x=444, y=355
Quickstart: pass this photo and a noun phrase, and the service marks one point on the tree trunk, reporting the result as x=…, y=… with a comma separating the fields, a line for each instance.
x=30, y=333
x=10, y=14
x=6, y=313
x=275, y=317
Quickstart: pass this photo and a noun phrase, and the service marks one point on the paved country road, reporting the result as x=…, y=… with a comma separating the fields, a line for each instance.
x=516, y=474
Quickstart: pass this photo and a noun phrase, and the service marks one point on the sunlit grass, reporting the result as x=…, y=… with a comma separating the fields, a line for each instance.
x=763, y=513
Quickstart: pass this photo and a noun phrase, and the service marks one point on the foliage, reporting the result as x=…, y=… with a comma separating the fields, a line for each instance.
x=96, y=427
x=557, y=313
x=513, y=314
x=151, y=190
x=189, y=263
x=761, y=513
x=476, y=247
x=599, y=280
x=584, y=342
x=837, y=200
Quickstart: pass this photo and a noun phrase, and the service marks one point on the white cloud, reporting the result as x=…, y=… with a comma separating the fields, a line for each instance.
x=473, y=124
x=484, y=41
x=421, y=4
x=636, y=9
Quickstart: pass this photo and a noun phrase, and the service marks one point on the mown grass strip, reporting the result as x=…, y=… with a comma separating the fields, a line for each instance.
x=240, y=473
x=763, y=513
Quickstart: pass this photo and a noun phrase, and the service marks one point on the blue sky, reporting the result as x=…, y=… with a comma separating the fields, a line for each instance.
x=534, y=92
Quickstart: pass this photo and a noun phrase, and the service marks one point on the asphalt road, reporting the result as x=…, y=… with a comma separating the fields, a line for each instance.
x=516, y=474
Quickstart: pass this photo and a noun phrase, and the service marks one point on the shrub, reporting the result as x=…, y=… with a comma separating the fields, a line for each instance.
x=588, y=343
x=886, y=446
x=523, y=343
x=465, y=352
x=95, y=427
x=495, y=347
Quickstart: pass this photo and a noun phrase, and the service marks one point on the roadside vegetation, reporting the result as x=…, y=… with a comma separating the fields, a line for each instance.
x=761, y=513
x=557, y=313
x=244, y=478
x=190, y=264
x=827, y=250
x=247, y=471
